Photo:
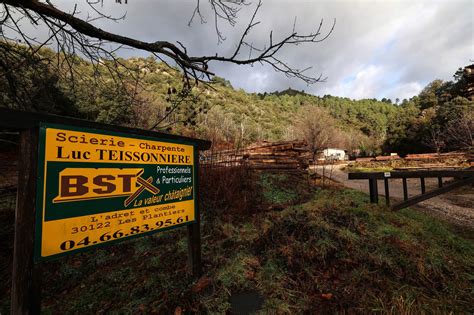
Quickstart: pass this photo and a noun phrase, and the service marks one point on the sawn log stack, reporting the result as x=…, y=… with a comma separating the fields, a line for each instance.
x=282, y=155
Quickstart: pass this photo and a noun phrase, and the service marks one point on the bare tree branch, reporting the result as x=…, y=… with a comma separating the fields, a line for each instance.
x=74, y=35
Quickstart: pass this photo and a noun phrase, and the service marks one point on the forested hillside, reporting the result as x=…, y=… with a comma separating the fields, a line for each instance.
x=440, y=118
x=145, y=93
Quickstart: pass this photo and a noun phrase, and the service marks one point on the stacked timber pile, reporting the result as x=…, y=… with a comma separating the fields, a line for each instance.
x=463, y=156
x=386, y=157
x=365, y=159
x=378, y=158
x=435, y=156
x=282, y=155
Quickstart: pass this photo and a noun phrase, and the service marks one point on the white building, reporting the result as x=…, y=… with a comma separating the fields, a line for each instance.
x=334, y=154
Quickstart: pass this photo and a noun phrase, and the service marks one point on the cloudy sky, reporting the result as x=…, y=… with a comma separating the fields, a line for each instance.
x=377, y=49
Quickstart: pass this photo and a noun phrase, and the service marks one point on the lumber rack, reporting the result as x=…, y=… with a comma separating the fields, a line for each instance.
x=461, y=178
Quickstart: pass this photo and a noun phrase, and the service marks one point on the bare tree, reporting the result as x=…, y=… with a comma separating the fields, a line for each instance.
x=436, y=139
x=461, y=131
x=316, y=127
x=73, y=35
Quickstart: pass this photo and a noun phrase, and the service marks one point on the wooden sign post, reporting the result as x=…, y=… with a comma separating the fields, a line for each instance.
x=26, y=277
x=194, y=234
x=83, y=184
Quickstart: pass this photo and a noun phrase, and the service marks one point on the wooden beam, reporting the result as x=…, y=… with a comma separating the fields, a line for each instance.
x=26, y=276
x=433, y=193
x=194, y=230
x=387, y=192
x=405, y=189
x=21, y=120
x=413, y=174
x=374, y=191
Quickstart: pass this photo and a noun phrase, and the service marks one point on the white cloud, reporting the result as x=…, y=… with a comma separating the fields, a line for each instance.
x=371, y=82
x=404, y=90
x=257, y=81
x=378, y=48
x=363, y=84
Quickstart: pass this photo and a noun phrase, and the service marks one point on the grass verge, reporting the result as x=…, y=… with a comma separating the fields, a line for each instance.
x=335, y=253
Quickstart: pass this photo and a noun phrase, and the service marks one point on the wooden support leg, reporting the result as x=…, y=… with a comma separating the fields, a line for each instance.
x=26, y=276
x=423, y=187
x=194, y=249
x=440, y=182
x=194, y=230
x=433, y=193
x=387, y=192
x=374, y=193
x=405, y=189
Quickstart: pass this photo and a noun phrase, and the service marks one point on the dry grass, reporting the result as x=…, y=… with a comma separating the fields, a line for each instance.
x=332, y=254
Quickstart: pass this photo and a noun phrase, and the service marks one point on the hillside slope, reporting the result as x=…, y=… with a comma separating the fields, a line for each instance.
x=137, y=93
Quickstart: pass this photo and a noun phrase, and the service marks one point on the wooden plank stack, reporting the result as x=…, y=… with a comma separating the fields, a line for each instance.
x=435, y=156
x=386, y=157
x=282, y=155
x=365, y=159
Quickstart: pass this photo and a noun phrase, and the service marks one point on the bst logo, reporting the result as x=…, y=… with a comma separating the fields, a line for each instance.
x=76, y=184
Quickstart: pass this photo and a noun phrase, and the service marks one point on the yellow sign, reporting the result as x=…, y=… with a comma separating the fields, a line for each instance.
x=100, y=187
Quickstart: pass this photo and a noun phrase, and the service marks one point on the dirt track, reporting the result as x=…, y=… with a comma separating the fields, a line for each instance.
x=456, y=207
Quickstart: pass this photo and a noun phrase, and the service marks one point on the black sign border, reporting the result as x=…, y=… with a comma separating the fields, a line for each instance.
x=40, y=189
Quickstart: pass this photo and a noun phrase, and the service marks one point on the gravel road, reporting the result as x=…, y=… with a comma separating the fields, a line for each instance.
x=456, y=206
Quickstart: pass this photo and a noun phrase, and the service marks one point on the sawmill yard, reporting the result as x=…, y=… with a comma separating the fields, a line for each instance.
x=456, y=207
x=145, y=170
x=280, y=240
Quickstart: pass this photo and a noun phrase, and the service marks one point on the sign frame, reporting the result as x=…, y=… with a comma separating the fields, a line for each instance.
x=26, y=274
x=40, y=195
